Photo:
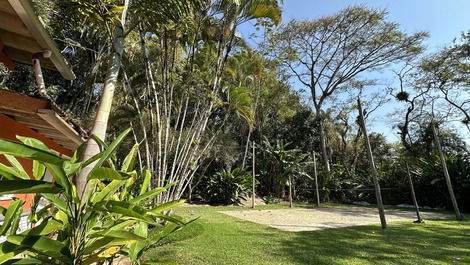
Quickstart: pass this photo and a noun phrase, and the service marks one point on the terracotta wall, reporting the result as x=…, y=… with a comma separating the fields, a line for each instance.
x=9, y=129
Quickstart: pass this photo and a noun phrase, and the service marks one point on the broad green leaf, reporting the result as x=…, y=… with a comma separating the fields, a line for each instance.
x=22, y=186
x=61, y=178
x=151, y=194
x=38, y=168
x=129, y=161
x=92, y=246
x=21, y=150
x=166, y=218
x=33, y=142
x=23, y=261
x=62, y=217
x=127, y=185
x=44, y=228
x=121, y=234
x=57, y=202
x=126, y=209
x=109, y=189
x=15, y=224
x=9, y=251
x=9, y=173
x=71, y=168
x=10, y=215
x=92, y=159
x=42, y=245
x=146, y=182
x=166, y=206
x=111, y=149
x=17, y=165
x=107, y=173
x=78, y=153
x=136, y=248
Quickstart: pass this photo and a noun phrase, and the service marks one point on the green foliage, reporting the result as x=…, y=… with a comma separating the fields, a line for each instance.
x=228, y=187
x=111, y=220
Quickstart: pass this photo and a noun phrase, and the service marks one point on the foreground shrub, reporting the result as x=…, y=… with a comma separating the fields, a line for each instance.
x=113, y=218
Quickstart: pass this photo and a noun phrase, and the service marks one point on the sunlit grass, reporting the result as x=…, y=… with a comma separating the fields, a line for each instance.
x=220, y=239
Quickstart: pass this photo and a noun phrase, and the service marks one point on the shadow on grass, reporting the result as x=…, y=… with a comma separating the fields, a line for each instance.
x=403, y=243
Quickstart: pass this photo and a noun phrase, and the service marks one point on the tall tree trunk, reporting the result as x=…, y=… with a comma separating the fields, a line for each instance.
x=316, y=178
x=323, y=147
x=101, y=120
x=253, y=194
x=446, y=174
x=246, y=149
x=413, y=195
x=378, y=193
x=290, y=191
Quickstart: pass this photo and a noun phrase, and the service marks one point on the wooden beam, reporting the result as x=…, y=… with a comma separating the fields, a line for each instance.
x=53, y=135
x=26, y=58
x=60, y=124
x=15, y=113
x=19, y=42
x=13, y=23
x=35, y=125
x=6, y=7
x=4, y=58
x=21, y=103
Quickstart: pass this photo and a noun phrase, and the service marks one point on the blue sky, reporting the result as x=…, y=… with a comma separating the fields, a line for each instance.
x=443, y=19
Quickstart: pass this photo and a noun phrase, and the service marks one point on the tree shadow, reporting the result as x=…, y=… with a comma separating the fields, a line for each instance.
x=402, y=243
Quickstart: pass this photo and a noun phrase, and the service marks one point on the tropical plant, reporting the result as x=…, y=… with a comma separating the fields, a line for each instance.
x=113, y=219
x=228, y=187
x=289, y=163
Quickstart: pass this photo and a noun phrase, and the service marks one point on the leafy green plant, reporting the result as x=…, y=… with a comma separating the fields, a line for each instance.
x=226, y=187
x=72, y=230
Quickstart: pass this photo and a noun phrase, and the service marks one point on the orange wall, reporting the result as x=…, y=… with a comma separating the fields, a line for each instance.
x=9, y=129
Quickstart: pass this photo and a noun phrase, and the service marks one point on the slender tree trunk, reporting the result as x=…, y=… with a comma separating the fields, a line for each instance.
x=413, y=195
x=323, y=147
x=253, y=194
x=378, y=193
x=101, y=120
x=446, y=174
x=290, y=191
x=246, y=149
x=316, y=178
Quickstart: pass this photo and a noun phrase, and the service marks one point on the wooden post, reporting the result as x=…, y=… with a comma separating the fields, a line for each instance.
x=253, y=195
x=446, y=174
x=378, y=194
x=413, y=195
x=316, y=178
x=290, y=191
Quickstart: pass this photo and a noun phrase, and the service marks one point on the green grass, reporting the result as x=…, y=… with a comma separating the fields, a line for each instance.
x=220, y=239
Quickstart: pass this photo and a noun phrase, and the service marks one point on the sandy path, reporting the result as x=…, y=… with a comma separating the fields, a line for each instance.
x=295, y=220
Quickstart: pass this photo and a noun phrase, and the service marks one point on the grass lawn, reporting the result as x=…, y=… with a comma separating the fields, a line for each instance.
x=220, y=239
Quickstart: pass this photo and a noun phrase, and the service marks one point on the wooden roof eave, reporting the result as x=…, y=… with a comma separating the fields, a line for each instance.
x=37, y=115
x=25, y=12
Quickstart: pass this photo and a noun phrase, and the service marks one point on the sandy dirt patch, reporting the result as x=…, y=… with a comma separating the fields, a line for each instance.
x=295, y=220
